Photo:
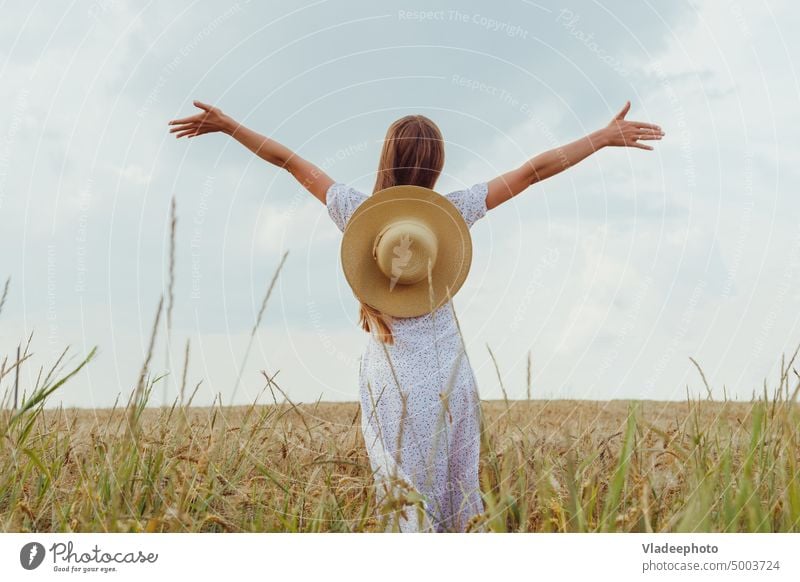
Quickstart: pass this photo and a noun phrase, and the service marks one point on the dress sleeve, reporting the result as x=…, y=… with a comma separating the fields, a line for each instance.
x=471, y=202
x=342, y=201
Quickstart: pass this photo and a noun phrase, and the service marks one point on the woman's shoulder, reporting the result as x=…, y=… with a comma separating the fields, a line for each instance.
x=341, y=192
x=342, y=201
x=471, y=201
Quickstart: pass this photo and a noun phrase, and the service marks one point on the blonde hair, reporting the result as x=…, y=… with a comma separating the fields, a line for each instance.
x=413, y=153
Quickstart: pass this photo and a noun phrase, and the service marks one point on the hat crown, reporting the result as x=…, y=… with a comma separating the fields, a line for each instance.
x=404, y=249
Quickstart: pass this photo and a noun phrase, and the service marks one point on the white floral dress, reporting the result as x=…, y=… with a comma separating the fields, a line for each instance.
x=420, y=410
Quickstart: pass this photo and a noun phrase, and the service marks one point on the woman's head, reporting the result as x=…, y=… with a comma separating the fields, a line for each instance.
x=413, y=154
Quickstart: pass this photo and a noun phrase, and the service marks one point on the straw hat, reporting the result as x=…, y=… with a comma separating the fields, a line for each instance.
x=390, y=242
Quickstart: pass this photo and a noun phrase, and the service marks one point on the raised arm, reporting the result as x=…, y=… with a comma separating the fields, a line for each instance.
x=620, y=132
x=212, y=119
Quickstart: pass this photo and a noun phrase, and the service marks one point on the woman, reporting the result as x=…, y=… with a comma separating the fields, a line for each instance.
x=419, y=402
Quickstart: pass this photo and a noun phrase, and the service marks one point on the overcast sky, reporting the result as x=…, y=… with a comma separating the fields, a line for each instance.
x=611, y=275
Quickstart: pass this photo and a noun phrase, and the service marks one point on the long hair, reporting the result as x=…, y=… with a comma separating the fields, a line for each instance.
x=413, y=154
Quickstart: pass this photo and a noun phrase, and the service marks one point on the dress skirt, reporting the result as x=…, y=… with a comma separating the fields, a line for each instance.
x=420, y=416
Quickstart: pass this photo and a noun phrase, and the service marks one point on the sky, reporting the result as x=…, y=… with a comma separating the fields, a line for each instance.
x=608, y=277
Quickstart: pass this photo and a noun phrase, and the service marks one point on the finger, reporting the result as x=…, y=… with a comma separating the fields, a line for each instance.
x=199, y=132
x=641, y=146
x=203, y=106
x=187, y=119
x=185, y=133
x=643, y=125
x=650, y=136
x=183, y=127
x=624, y=111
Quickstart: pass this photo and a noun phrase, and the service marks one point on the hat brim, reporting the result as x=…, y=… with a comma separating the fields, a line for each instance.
x=454, y=254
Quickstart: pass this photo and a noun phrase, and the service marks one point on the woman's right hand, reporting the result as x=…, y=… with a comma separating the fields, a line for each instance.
x=210, y=120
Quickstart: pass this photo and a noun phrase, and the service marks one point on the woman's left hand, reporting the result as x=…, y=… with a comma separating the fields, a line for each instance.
x=623, y=133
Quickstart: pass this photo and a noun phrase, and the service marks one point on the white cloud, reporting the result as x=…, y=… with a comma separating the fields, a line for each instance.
x=294, y=227
x=135, y=174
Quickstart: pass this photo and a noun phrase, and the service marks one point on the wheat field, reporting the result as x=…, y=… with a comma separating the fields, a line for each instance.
x=547, y=466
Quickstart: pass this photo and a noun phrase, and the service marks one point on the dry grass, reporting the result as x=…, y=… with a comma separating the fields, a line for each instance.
x=546, y=466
